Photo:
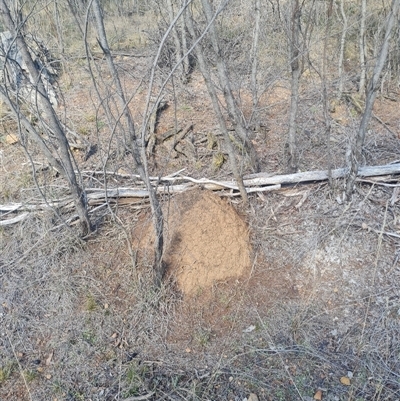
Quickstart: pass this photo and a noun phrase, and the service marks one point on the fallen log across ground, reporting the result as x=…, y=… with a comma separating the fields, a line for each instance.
x=177, y=183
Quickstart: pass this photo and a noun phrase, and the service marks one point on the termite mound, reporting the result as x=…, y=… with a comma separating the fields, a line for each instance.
x=205, y=240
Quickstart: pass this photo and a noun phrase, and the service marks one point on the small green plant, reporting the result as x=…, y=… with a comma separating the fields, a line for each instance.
x=218, y=160
x=25, y=179
x=5, y=372
x=30, y=375
x=203, y=337
x=100, y=124
x=186, y=107
x=89, y=337
x=83, y=130
x=91, y=303
x=57, y=387
x=134, y=378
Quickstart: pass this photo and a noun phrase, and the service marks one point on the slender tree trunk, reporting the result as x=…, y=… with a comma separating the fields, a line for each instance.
x=186, y=63
x=175, y=36
x=233, y=110
x=60, y=35
x=139, y=157
x=362, y=45
x=68, y=171
x=325, y=96
x=254, y=61
x=204, y=68
x=373, y=86
x=342, y=50
x=292, y=152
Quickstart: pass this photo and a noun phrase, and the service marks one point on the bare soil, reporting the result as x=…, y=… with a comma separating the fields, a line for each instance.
x=281, y=299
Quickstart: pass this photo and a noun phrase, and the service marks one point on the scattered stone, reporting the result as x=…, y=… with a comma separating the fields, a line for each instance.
x=11, y=139
x=249, y=329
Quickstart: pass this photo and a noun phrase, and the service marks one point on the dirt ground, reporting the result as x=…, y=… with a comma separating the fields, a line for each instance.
x=294, y=296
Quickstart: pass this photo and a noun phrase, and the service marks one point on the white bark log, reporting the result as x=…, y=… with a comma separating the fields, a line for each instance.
x=261, y=182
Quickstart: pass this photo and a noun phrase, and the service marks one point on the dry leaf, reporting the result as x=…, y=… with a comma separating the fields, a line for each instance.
x=11, y=139
x=114, y=335
x=345, y=381
x=188, y=350
x=249, y=329
x=48, y=377
x=252, y=397
x=318, y=395
x=50, y=357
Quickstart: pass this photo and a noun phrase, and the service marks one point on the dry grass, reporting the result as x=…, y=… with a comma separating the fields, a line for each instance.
x=80, y=320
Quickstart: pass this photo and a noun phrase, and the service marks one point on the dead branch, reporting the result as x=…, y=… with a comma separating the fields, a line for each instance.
x=178, y=183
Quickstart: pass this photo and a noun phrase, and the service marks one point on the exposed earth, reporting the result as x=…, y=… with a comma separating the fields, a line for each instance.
x=295, y=295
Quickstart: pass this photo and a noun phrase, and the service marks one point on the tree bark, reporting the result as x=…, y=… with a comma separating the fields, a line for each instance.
x=175, y=36
x=217, y=109
x=139, y=156
x=373, y=86
x=67, y=167
x=233, y=110
x=325, y=96
x=342, y=49
x=362, y=45
x=292, y=152
x=254, y=61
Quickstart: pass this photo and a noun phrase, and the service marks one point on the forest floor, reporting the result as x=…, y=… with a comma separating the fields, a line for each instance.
x=295, y=297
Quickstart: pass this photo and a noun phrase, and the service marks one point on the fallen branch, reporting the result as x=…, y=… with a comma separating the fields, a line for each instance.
x=14, y=220
x=309, y=176
x=177, y=183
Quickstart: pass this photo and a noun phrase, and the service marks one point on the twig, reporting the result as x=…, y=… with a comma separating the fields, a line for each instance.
x=140, y=397
x=375, y=273
x=21, y=372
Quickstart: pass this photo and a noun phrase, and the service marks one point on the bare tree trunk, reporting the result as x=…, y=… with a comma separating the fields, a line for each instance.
x=186, y=62
x=175, y=36
x=217, y=109
x=342, y=49
x=60, y=35
x=67, y=166
x=292, y=152
x=254, y=61
x=233, y=110
x=325, y=96
x=139, y=156
x=362, y=44
x=356, y=151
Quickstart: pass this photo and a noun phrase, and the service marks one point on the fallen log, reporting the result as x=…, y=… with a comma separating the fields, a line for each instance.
x=177, y=183
x=309, y=176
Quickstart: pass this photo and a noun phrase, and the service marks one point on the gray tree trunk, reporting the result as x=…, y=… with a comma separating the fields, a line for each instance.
x=325, y=95
x=233, y=110
x=342, y=49
x=254, y=61
x=363, y=48
x=139, y=156
x=291, y=146
x=175, y=36
x=373, y=86
x=217, y=109
x=67, y=166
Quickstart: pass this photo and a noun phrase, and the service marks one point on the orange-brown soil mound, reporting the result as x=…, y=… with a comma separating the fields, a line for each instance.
x=205, y=240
